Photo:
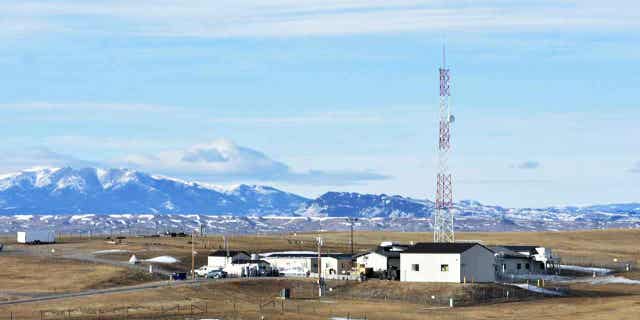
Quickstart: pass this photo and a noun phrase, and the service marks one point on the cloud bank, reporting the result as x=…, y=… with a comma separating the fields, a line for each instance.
x=279, y=18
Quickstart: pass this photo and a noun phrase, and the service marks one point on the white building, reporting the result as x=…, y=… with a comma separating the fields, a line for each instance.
x=510, y=263
x=386, y=258
x=333, y=264
x=248, y=268
x=447, y=262
x=376, y=261
x=291, y=263
x=542, y=257
x=222, y=258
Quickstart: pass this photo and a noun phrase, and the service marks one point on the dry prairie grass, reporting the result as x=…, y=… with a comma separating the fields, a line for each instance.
x=28, y=274
x=240, y=300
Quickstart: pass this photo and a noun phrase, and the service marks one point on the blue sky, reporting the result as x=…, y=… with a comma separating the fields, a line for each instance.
x=312, y=95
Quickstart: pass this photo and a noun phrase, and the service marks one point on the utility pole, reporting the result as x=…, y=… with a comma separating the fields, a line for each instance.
x=352, y=221
x=320, y=284
x=443, y=217
x=193, y=255
x=226, y=248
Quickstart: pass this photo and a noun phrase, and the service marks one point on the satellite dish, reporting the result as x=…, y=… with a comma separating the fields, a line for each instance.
x=452, y=119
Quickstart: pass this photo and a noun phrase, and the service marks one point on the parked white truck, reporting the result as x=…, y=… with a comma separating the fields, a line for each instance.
x=36, y=236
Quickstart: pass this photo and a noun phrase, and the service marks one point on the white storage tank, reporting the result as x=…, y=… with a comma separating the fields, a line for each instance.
x=36, y=236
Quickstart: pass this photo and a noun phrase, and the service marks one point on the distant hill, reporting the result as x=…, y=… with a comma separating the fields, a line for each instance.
x=121, y=198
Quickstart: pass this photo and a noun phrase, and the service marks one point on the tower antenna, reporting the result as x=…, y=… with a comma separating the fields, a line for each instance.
x=444, y=57
x=443, y=216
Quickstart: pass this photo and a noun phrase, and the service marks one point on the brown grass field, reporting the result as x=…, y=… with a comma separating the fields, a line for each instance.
x=42, y=274
x=242, y=299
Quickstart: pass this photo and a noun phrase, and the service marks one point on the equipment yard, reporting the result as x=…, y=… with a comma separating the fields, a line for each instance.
x=83, y=278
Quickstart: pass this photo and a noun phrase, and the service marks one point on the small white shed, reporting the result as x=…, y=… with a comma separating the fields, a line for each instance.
x=447, y=262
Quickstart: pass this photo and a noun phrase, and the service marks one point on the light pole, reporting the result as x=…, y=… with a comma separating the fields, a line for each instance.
x=320, y=243
x=351, y=221
x=193, y=255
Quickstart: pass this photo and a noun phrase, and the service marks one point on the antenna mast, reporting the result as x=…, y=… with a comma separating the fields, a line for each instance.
x=443, y=217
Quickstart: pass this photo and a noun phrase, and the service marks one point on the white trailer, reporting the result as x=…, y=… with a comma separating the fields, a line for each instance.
x=36, y=236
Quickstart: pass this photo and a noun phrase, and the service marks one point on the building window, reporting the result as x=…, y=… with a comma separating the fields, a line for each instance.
x=415, y=267
x=519, y=266
x=504, y=267
x=527, y=266
x=444, y=267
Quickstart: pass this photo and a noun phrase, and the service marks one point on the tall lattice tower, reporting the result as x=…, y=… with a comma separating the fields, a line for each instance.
x=443, y=218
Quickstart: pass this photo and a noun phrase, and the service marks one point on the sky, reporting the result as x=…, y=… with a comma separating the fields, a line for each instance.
x=313, y=96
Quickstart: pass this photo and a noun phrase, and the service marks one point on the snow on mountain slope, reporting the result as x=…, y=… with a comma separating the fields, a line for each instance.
x=122, y=198
x=342, y=204
x=103, y=191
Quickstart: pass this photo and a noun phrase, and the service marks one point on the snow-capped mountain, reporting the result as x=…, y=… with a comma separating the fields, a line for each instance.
x=347, y=204
x=103, y=191
x=108, y=200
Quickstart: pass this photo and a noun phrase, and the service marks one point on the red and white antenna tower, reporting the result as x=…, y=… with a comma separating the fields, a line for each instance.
x=443, y=218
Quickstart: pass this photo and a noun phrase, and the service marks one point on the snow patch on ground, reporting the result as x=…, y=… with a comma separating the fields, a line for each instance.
x=609, y=280
x=121, y=216
x=586, y=269
x=537, y=276
x=110, y=251
x=163, y=259
x=533, y=288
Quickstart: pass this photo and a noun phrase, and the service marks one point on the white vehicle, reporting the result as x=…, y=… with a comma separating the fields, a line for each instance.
x=36, y=237
x=205, y=270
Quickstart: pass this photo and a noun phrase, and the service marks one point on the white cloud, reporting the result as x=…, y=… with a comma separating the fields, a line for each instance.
x=82, y=106
x=636, y=168
x=306, y=119
x=527, y=165
x=39, y=157
x=226, y=18
x=223, y=160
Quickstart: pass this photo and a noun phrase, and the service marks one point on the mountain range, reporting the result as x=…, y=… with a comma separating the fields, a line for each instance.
x=108, y=199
